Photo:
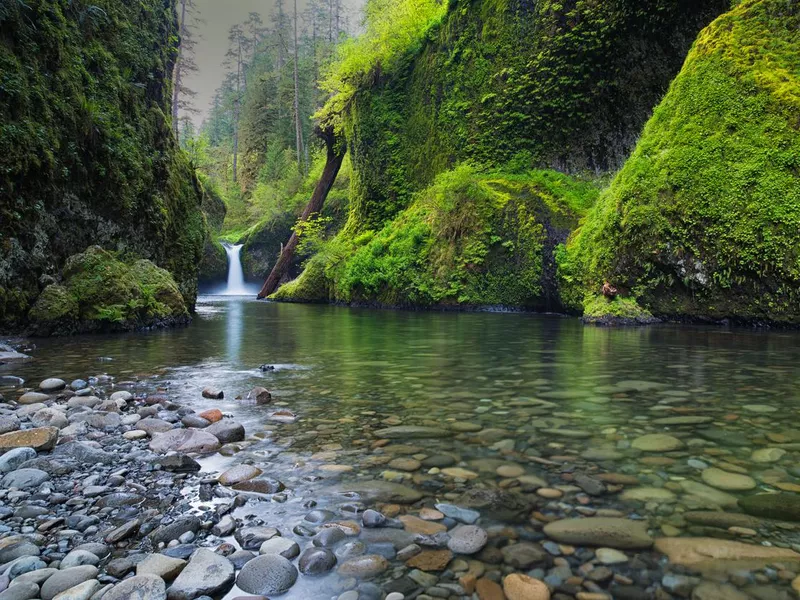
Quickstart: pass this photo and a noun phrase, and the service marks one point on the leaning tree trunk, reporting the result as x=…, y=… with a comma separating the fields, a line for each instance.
x=333, y=163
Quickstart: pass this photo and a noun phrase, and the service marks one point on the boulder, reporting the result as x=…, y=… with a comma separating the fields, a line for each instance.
x=41, y=438
x=617, y=533
x=185, y=440
x=207, y=574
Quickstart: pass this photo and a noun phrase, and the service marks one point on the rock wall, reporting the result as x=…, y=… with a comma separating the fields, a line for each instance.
x=86, y=152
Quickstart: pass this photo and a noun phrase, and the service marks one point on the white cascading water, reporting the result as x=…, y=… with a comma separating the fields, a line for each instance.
x=236, y=284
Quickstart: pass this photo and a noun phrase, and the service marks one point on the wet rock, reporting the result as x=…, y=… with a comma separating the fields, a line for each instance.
x=685, y=420
x=207, y=573
x=82, y=591
x=467, y=539
x=195, y=421
x=213, y=394
x=260, y=485
x=279, y=545
x=768, y=455
x=521, y=587
x=24, y=478
x=179, y=463
x=141, y=587
x=33, y=398
x=498, y=504
x=20, y=591
x=772, y=506
x=648, y=494
x=723, y=480
x=13, y=459
x=524, y=555
x=185, y=440
x=226, y=431
x=49, y=417
x=268, y=574
x=369, y=565
x=15, y=547
x=49, y=386
x=41, y=438
x=709, y=555
x=379, y=491
x=657, y=442
x=328, y=538
x=464, y=515
x=165, y=567
x=410, y=432
x=153, y=426
x=617, y=533
x=9, y=423
x=260, y=395
x=66, y=579
x=251, y=538
x=174, y=530
x=316, y=561
x=238, y=474
x=84, y=452
x=717, y=591
x=722, y=520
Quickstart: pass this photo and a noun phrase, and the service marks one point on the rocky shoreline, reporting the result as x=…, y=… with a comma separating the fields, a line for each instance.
x=106, y=494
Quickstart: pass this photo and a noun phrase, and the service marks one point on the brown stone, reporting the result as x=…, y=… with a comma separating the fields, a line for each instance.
x=489, y=590
x=521, y=587
x=41, y=438
x=416, y=525
x=711, y=555
x=212, y=415
x=431, y=560
x=468, y=580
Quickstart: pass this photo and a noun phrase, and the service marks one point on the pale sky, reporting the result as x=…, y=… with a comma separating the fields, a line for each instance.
x=220, y=16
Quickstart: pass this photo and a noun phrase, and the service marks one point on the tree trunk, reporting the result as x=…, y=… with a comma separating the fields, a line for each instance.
x=176, y=83
x=333, y=163
x=298, y=124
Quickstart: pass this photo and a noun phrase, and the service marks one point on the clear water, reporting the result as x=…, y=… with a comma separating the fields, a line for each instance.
x=537, y=380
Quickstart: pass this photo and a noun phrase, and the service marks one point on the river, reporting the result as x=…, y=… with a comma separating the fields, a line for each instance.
x=521, y=397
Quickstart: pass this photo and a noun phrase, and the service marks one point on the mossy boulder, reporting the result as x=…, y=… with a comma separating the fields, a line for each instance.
x=703, y=221
x=100, y=292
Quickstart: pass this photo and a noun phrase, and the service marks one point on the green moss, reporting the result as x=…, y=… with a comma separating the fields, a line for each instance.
x=470, y=239
x=100, y=292
x=55, y=305
x=213, y=204
x=513, y=84
x=704, y=219
x=614, y=311
x=87, y=154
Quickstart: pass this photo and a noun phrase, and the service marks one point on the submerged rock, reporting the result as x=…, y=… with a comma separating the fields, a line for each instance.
x=410, y=432
x=773, y=506
x=617, y=533
x=710, y=555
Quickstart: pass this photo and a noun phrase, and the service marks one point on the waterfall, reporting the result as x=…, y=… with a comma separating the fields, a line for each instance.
x=236, y=284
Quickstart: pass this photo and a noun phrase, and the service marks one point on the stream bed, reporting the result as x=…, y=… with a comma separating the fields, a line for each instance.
x=510, y=422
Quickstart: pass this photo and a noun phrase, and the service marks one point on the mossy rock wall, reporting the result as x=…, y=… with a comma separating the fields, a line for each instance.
x=704, y=219
x=86, y=152
x=101, y=293
x=565, y=85
x=469, y=240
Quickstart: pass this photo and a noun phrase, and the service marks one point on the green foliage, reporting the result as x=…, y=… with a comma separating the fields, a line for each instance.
x=704, y=219
x=506, y=84
x=614, y=311
x=86, y=151
x=394, y=28
x=102, y=293
x=470, y=239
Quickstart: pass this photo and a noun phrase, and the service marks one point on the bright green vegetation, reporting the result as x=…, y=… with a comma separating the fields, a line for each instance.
x=704, y=219
x=86, y=152
x=470, y=239
x=100, y=292
x=508, y=86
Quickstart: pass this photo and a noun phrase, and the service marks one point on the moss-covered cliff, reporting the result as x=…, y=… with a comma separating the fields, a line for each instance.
x=507, y=86
x=563, y=85
x=704, y=219
x=86, y=152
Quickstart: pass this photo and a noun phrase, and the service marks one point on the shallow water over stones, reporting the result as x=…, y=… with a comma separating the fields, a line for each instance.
x=507, y=422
